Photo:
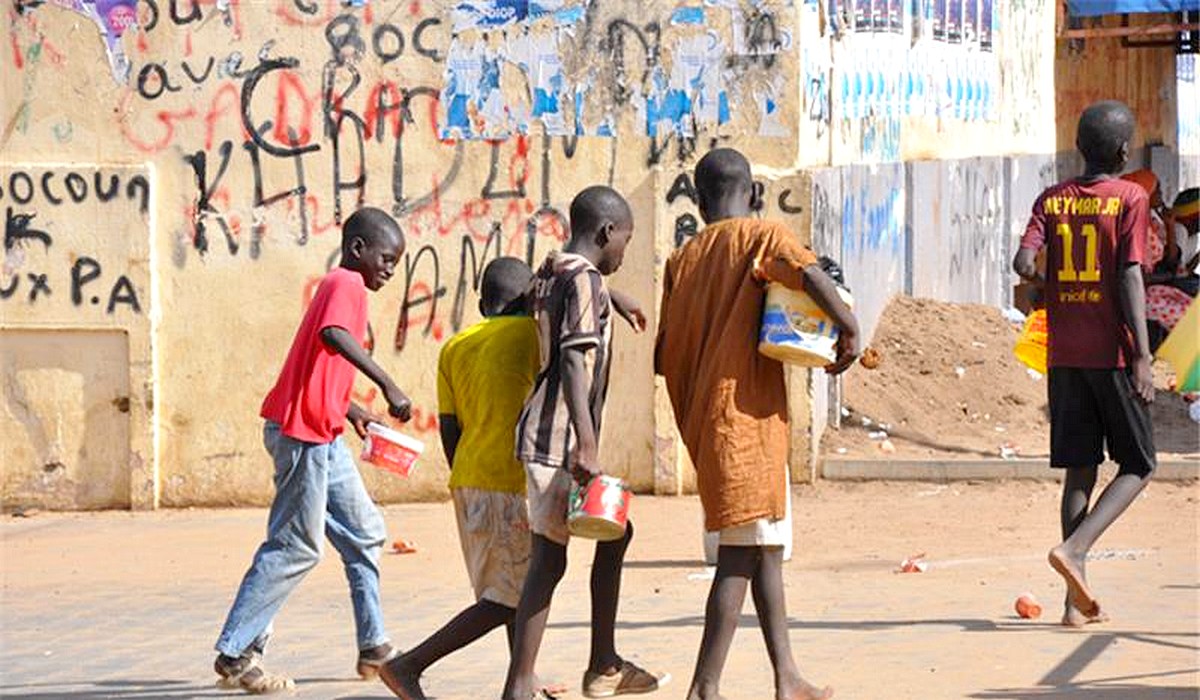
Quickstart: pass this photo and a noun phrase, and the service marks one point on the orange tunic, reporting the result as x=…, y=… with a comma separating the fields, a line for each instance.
x=730, y=401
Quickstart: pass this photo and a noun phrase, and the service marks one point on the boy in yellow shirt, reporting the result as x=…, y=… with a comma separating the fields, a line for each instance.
x=484, y=374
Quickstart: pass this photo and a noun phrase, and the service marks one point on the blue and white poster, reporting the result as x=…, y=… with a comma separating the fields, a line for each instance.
x=489, y=14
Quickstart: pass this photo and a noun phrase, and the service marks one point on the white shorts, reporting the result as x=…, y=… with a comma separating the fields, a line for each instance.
x=763, y=532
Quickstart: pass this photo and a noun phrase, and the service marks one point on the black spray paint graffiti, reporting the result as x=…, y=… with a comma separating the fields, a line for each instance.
x=84, y=271
x=976, y=222
x=425, y=285
x=56, y=188
x=686, y=225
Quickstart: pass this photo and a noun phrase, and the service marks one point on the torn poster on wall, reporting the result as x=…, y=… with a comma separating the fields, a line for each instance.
x=538, y=55
x=113, y=18
x=695, y=94
x=476, y=107
x=684, y=88
x=489, y=14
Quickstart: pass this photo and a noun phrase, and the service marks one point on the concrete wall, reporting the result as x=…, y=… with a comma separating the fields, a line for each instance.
x=265, y=124
x=257, y=127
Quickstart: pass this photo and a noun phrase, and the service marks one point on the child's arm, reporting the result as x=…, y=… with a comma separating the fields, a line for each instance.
x=822, y=290
x=785, y=264
x=629, y=309
x=584, y=461
x=343, y=343
x=1025, y=265
x=1032, y=241
x=450, y=431
x=1133, y=304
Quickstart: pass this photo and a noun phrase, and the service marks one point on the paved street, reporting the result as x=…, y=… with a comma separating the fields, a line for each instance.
x=121, y=605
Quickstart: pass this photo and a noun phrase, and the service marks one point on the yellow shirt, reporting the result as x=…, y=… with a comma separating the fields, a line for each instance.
x=484, y=375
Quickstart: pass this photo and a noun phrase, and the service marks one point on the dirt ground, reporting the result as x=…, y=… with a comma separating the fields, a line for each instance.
x=121, y=605
x=949, y=387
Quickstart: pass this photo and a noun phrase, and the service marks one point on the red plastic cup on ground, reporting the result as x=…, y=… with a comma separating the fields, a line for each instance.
x=1028, y=607
x=391, y=450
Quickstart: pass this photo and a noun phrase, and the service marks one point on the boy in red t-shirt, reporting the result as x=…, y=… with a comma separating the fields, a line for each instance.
x=1094, y=230
x=318, y=490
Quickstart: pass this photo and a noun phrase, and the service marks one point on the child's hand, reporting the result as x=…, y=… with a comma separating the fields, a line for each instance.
x=758, y=272
x=1143, y=379
x=584, y=464
x=847, y=352
x=399, y=406
x=361, y=419
x=635, y=317
x=629, y=309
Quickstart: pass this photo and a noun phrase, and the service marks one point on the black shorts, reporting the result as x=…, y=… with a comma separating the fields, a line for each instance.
x=1091, y=408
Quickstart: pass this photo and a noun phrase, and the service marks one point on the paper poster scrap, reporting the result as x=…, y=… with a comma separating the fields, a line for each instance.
x=475, y=104
x=113, y=18
x=489, y=14
x=695, y=92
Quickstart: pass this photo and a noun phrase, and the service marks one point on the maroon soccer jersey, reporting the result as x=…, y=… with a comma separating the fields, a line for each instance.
x=1091, y=230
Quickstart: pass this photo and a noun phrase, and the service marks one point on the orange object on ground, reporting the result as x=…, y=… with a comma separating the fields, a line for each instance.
x=404, y=547
x=1028, y=607
x=870, y=358
x=913, y=565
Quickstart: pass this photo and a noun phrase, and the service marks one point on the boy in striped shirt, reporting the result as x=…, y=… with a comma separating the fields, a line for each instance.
x=557, y=437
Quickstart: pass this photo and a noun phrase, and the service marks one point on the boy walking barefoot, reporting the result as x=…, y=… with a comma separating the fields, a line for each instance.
x=731, y=404
x=484, y=374
x=557, y=438
x=1094, y=230
x=318, y=491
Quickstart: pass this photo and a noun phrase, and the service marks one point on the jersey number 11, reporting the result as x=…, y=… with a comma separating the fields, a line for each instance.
x=1091, y=267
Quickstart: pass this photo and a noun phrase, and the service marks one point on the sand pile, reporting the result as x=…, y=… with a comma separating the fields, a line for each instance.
x=949, y=387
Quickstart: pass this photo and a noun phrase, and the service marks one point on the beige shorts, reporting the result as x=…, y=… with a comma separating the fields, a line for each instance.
x=493, y=528
x=549, y=489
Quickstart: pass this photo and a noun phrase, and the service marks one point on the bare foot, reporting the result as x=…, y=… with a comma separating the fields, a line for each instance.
x=398, y=680
x=1072, y=572
x=803, y=690
x=1072, y=617
x=552, y=689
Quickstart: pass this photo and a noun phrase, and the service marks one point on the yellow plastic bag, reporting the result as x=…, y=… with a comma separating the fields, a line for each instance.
x=1031, y=344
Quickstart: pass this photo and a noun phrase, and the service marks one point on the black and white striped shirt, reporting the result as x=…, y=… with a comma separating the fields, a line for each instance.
x=573, y=310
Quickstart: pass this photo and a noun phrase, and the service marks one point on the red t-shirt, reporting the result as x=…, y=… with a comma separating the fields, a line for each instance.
x=1091, y=231
x=312, y=395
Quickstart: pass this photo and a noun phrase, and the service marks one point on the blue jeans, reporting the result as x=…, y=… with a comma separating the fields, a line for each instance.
x=318, y=494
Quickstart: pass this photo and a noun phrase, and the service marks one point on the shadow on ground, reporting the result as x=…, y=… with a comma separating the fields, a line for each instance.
x=119, y=690
x=1090, y=691
x=967, y=625
x=146, y=690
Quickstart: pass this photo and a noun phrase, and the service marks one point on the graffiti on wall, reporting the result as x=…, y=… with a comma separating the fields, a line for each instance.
x=46, y=259
x=858, y=218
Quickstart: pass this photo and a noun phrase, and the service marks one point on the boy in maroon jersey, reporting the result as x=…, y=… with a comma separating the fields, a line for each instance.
x=1094, y=230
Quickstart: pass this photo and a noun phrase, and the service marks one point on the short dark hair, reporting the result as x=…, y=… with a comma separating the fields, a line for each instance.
x=720, y=171
x=504, y=281
x=596, y=206
x=371, y=225
x=1104, y=127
